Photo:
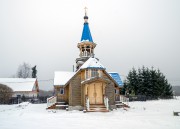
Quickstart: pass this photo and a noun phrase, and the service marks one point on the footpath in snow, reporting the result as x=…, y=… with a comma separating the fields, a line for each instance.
x=157, y=114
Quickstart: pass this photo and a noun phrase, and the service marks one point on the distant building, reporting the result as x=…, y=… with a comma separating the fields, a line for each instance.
x=90, y=87
x=22, y=87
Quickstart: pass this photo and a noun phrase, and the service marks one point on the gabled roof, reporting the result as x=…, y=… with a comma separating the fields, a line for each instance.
x=86, y=34
x=92, y=63
x=19, y=84
x=62, y=77
x=117, y=78
x=89, y=80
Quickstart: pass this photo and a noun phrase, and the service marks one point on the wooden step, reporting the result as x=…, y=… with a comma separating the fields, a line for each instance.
x=97, y=110
x=117, y=101
x=52, y=107
x=62, y=105
x=125, y=105
x=120, y=105
x=60, y=102
x=97, y=105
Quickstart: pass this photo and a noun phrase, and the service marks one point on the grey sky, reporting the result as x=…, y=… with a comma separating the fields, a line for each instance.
x=127, y=32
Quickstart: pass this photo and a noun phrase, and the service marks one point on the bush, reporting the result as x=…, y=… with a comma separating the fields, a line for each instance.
x=5, y=94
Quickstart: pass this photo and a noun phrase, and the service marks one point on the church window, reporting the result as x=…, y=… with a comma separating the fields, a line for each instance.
x=116, y=91
x=94, y=72
x=87, y=74
x=61, y=90
x=88, y=50
x=82, y=48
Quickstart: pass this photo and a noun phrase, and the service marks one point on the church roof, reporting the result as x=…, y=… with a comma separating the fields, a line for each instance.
x=86, y=34
x=62, y=77
x=19, y=84
x=92, y=63
x=116, y=77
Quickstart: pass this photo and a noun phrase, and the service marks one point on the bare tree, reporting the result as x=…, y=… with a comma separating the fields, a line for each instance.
x=24, y=71
x=5, y=94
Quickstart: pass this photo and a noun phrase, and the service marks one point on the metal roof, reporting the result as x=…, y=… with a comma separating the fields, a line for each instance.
x=117, y=78
x=86, y=34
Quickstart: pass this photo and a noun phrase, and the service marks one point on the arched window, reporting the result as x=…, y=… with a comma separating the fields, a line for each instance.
x=88, y=49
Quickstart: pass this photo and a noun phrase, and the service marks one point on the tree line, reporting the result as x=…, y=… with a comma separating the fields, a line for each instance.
x=151, y=83
x=25, y=71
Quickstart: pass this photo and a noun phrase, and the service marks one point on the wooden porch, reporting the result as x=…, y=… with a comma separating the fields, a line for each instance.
x=52, y=103
x=121, y=101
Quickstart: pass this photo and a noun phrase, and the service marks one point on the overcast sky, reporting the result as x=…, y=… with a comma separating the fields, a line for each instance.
x=128, y=33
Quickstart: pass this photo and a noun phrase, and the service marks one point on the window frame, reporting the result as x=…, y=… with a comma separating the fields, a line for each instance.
x=117, y=91
x=62, y=91
x=94, y=72
x=86, y=74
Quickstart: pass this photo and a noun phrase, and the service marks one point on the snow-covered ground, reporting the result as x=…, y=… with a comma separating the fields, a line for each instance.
x=142, y=115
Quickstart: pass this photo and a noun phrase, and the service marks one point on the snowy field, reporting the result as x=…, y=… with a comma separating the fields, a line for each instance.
x=142, y=115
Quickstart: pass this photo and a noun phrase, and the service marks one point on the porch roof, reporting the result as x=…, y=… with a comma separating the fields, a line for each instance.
x=92, y=79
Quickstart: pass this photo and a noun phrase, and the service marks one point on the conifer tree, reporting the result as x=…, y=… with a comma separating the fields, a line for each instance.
x=149, y=82
x=34, y=72
x=129, y=82
x=134, y=81
x=154, y=87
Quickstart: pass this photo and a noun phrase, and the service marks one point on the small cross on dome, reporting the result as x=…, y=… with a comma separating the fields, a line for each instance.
x=85, y=11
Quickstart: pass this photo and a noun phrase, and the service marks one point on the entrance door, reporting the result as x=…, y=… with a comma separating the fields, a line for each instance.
x=95, y=93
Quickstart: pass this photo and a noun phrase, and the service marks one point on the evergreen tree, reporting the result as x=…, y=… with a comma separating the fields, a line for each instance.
x=161, y=84
x=149, y=82
x=124, y=89
x=129, y=82
x=34, y=72
x=168, y=93
x=134, y=81
x=145, y=81
x=154, y=87
x=140, y=82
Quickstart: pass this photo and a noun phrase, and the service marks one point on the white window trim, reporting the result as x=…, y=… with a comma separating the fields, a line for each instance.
x=86, y=74
x=89, y=73
x=116, y=91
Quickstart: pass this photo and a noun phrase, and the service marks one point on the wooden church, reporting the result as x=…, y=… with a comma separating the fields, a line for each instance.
x=90, y=87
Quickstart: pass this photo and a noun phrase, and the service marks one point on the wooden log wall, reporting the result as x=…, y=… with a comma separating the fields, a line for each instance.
x=75, y=91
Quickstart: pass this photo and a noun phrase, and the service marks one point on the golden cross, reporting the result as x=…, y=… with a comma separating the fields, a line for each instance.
x=85, y=11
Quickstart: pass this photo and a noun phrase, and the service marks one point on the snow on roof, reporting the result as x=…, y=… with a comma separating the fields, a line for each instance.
x=116, y=77
x=92, y=63
x=19, y=84
x=62, y=77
